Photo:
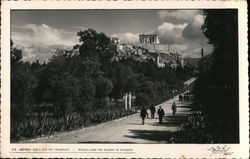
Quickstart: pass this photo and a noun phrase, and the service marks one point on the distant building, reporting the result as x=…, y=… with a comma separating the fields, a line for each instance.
x=115, y=41
x=149, y=39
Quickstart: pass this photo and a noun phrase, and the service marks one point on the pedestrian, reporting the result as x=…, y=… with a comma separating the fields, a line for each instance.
x=152, y=110
x=160, y=113
x=174, y=108
x=180, y=97
x=144, y=114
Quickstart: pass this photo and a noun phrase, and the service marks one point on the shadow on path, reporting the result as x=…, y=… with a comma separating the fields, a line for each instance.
x=170, y=121
x=152, y=135
x=183, y=106
x=134, y=123
x=176, y=117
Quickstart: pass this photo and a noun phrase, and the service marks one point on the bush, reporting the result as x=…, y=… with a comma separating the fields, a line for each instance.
x=32, y=126
x=198, y=129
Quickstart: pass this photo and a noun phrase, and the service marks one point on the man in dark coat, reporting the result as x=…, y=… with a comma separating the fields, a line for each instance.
x=152, y=110
x=160, y=113
x=143, y=114
x=174, y=108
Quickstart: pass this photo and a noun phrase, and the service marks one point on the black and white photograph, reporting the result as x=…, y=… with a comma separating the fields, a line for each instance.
x=125, y=76
x=76, y=69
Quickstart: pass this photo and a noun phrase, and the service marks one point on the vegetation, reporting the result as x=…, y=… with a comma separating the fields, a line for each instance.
x=83, y=81
x=46, y=125
x=216, y=88
x=197, y=129
x=217, y=85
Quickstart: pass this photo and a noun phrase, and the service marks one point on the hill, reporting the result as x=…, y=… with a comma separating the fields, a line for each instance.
x=161, y=54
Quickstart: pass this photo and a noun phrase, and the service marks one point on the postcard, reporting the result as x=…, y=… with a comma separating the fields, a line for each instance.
x=124, y=79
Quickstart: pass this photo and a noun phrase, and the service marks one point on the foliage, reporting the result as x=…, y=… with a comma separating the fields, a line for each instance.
x=196, y=129
x=217, y=84
x=199, y=129
x=84, y=80
x=44, y=125
x=23, y=83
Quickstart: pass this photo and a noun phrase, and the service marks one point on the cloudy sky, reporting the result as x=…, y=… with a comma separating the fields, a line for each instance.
x=40, y=33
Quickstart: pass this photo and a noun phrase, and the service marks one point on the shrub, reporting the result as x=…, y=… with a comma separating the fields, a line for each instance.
x=32, y=126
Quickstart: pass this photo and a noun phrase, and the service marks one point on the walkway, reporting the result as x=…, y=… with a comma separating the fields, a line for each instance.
x=126, y=130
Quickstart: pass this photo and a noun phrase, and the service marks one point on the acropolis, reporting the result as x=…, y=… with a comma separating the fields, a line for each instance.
x=149, y=39
x=149, y=47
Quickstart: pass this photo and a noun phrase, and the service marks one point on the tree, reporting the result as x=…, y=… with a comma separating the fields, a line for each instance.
x=16, y=54
x=217, y=84
x=103, y=89
x=87, y=94
x=23, y=83
x=94, y=45
x=85, y=77
x=65, y=92
x=145, y=94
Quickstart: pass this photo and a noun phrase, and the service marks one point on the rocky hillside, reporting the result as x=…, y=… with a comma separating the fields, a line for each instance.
x=161, y=54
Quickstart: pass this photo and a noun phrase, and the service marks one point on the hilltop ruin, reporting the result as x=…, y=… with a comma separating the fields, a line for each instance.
x=148, y=48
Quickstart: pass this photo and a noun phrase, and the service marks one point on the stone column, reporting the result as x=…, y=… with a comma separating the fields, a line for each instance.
x=126, y=101
x=129, y=101
x=158, y=61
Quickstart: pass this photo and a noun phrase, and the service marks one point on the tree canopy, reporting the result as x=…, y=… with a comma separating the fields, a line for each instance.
x=85, y=78
x=217, y=85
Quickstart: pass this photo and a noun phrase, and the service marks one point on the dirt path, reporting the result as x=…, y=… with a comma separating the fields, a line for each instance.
x=126, y=130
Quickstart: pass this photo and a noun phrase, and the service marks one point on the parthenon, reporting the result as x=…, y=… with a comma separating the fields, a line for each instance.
x=149, y=39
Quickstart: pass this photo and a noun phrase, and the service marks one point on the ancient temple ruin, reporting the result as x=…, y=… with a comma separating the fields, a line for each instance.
x=115, y=41
x=149, y=39
x=148, y=48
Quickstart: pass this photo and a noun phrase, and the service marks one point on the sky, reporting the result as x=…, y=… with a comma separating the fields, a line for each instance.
x=40, y=32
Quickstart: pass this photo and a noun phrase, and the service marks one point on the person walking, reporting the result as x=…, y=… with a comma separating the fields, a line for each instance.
x=174, y=108
x=152, y=110
x=180, y=97
x=143, y=114
x=160, y=113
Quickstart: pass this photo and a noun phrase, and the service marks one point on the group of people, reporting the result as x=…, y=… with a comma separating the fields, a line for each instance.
x=160, y=112
x=185, y=96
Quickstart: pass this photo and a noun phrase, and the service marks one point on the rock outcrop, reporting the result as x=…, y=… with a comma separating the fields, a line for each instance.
x=162, y=54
